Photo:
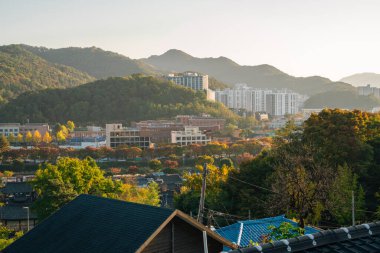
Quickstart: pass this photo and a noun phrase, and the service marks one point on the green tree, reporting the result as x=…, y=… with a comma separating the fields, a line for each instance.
x=149, y=195
x=58, y=184
x=285, y=231
x=155, y=164
x=7, y=237
x=340, y=206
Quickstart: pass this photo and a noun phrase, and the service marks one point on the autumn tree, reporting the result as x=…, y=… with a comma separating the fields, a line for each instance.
x=148, y=195
x=61, y=136
x=155, y=164
x=4, y=144
x=47, y=138
x=28, y=137
x=37, y=138
x=70, y=126
x=20, y=138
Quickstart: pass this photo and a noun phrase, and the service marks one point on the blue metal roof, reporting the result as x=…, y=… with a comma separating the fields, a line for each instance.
x=253, y=230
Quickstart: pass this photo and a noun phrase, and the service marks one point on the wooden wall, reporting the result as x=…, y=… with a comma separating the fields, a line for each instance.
x=180, y=237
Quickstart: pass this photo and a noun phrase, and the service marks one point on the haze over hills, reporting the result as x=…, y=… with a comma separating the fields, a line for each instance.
x=115, y=99
x=363, y=79
x=21, y=71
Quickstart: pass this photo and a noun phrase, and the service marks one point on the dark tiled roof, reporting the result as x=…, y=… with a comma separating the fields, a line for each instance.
x=17, y=187
x=16, y=213
x=243, y=232
x=93, y=224
x=361, y=238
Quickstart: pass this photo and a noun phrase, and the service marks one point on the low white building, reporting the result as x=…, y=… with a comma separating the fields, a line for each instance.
x=190, y=135
x=117, y=135
x=9, y=128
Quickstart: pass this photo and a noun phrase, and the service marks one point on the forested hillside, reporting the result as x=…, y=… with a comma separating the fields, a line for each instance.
x=135, y=97
x=228, y=71
x=94, y=61
x=21, y=70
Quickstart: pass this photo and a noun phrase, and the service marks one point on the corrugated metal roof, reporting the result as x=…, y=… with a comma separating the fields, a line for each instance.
x=253, y=230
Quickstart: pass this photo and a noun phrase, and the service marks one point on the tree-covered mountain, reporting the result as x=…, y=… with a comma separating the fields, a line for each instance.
x=21, y=71
x=94, y=61
x=348, y=99
x=116, y=99
x=363, y=79
x=228, y=71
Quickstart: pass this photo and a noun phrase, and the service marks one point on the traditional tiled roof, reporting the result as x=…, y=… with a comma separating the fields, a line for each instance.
x=355, y=239
x=16, y=213
x=243, y=232
x=17, y=187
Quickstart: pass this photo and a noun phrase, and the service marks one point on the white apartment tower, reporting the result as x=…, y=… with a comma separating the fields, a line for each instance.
x=274, y=102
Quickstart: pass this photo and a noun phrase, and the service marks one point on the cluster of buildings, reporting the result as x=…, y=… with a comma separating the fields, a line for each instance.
x=273, y=102
x=183, y=130
x=95, y=224
x=369, y=90
x=17, y=196
x=8, y=129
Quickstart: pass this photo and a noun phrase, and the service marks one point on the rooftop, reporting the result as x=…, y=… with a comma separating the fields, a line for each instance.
x=360, y=238
x=243, y=232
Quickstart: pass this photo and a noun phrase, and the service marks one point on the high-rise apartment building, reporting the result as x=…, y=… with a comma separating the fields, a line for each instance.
x=274, y=102
x=368, y=90
x=190, y=80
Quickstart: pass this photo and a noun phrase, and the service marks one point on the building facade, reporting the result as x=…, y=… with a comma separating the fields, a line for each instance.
x=204, y=122
x=191, y=135
x=368, y=90
x=274, y=102
x=117, y=135
x=9, y=128
x=42, y=128
x=159, y=131
x=190, y=80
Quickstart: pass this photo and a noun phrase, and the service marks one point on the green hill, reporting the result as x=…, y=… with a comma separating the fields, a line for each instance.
x=21, y=71
x=94, y=61
x=228, y=71
x=116, y=99
x=348, y=99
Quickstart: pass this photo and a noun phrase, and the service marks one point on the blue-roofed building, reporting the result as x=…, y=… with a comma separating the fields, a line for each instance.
x=242, y=232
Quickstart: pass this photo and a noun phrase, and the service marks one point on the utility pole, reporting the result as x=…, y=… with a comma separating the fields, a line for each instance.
x=353, y=208
x=203, y=195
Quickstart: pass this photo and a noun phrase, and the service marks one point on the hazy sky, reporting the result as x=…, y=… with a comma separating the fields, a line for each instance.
x=332, y=38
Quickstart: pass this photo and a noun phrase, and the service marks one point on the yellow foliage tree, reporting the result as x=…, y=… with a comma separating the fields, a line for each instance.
x=28, y=137
x=61, y=136
x=20, y=138
x=148, y=195
x=11, y=138
x=70, y=125
x=37, y=138
x=47, y=138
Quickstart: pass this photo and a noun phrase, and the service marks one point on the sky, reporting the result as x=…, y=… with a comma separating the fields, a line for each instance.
x=331, y=38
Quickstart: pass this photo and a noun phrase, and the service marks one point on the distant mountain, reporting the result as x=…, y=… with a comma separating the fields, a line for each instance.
x=228, y=71
x=116, y=99
x=348, y=99
x=94, y=61
x=21, y=71
x=363, y=79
